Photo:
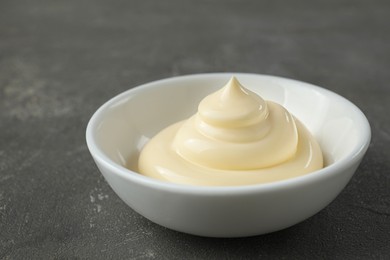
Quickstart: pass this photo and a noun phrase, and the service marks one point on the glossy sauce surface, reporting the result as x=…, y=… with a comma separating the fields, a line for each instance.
x=235, y=138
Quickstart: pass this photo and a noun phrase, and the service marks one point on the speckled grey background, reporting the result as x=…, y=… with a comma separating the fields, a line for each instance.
x=60, y=60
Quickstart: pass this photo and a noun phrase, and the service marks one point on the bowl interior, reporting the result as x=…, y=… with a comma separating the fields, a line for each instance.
x=124, y=124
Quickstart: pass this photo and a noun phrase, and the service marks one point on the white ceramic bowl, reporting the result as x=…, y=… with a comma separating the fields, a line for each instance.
x=118, y=130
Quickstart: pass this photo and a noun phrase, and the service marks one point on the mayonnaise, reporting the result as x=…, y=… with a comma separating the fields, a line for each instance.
x=235, y=138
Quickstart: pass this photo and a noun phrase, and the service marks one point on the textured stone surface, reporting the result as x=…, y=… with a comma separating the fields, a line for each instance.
x=60, y=60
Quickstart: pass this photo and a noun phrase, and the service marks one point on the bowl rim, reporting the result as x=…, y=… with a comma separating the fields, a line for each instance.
x=333, y=169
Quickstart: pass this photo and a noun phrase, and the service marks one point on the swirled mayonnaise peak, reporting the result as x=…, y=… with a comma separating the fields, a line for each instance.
x=235, y=138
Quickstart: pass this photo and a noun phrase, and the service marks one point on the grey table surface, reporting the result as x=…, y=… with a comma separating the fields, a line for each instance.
x=60, y=60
